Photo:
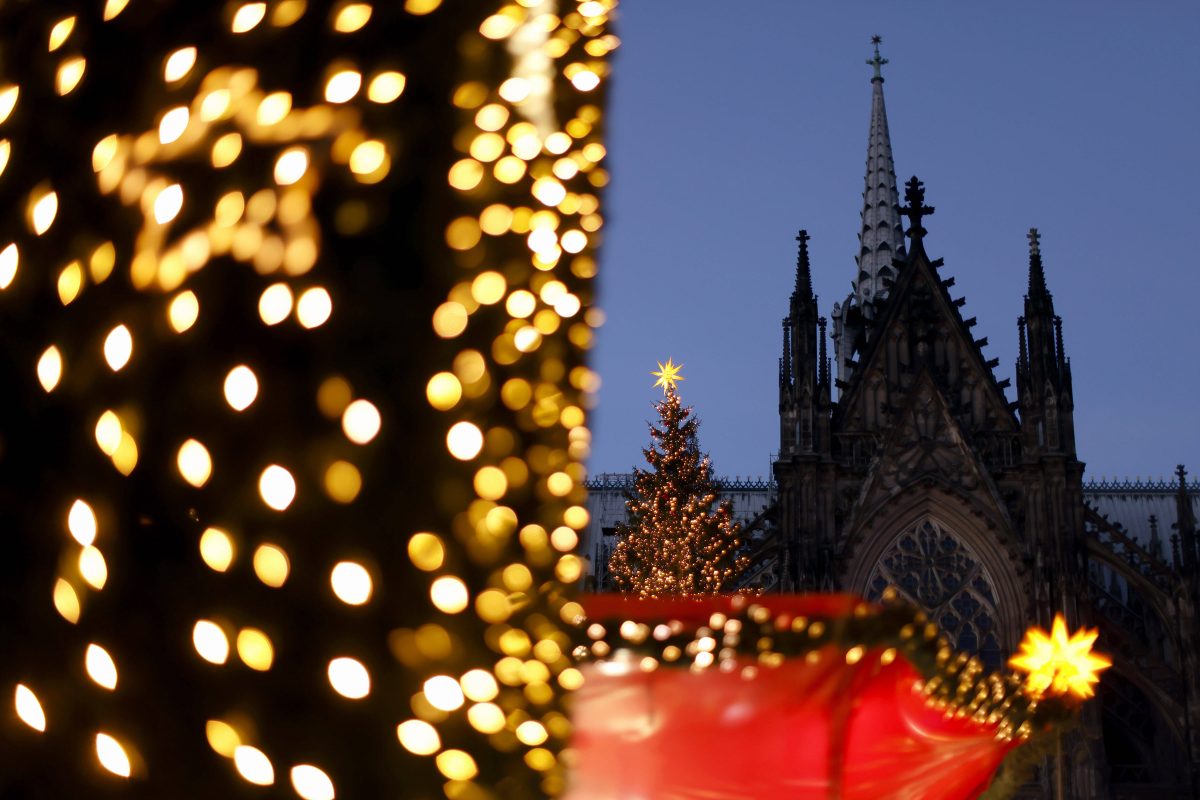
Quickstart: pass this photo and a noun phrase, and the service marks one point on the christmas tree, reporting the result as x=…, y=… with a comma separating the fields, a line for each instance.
x=675, y=542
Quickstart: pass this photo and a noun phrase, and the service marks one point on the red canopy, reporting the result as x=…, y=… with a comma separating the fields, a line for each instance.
x=815, y=726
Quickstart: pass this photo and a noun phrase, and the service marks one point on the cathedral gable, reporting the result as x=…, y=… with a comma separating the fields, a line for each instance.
x=926, y=447
x=919, y=328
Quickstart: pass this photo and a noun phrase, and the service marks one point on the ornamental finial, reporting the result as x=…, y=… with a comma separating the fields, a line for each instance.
x=668, y=375
x=914, y=195
x=877, y=61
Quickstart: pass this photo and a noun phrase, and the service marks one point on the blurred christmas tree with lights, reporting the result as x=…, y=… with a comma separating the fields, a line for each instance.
x=676, y=543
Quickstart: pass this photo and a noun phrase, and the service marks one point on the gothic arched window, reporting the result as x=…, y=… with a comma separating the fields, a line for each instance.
x=937, y=571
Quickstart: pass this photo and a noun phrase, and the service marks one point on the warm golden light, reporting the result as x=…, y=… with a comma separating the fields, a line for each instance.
x=70, y=73
x=479, y=685
x=112, y=755
x=486, y=717
x=43, y=212
x=70, y=282
x=515, y=90
x=312, y=783
x=342, y=86
x=226, y=149
x=168, y=203
x=421, y=7
x=8, y=101
x=314, y=307
x=275, y=303
x=449, y=594
x=368, y=157
x=183, y=311
x=248, y=16
x=291, y=165
x=277, y=487
x=351, y=582
x=361, y=421
x=271, y=565
x=118, y=347
x=352, y=17
x=194, y=462
x=113, y=7
x=419, y=737
x=29, y=709
x=349, y=678
x=255, y=649
x=668, y=375
x=1057, y=664
x=273, y=108
x=60, y=33
x=443, y=391
x=50, y=368
x=426, y=551
x=457, y=765
x=585, y=80
x=216, y=549
x=210, y=642
x=9, y=257
x=125, y=459
x=66, y=601
x=241, y=387
x=222, y=737
x=81, y=522
x=173, y=124
x=343, y=481
x=531, y=733
x=253, y=764
x=386, y=87
x=179, y=64
x=92, y=567
x=443, y=692
x=100, y=666
x=464, y=441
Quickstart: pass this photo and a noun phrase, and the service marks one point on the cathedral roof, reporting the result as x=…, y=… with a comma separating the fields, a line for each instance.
x=1131, y=504
x=918, y=302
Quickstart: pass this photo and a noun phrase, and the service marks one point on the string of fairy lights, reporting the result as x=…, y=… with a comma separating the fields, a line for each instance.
x=1059, y=670
x=234, y=176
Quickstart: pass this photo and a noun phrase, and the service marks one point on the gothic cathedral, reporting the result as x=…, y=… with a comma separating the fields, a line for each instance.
x=909, y=467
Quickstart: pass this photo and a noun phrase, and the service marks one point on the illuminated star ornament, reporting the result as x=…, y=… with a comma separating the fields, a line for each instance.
x=668, y=375
x=1058, y=664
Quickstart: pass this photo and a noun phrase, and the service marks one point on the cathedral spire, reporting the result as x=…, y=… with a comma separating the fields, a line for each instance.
x=881, y=237
x=803, y=270
x=1037, y=275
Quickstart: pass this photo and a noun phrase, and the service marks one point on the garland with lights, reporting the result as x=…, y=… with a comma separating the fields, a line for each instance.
x=851, y=644
x=675, y=542
x=294, y=299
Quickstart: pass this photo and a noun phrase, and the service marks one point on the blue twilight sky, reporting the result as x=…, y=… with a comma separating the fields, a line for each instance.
x=732, y=125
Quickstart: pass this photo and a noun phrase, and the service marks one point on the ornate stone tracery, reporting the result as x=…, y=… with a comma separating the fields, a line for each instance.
x=939, y=572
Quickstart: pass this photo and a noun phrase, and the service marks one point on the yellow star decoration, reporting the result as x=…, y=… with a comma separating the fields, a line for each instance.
x=1058, y=665
x=668, y=375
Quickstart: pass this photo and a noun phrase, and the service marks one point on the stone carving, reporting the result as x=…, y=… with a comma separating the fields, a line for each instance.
x=927, y=442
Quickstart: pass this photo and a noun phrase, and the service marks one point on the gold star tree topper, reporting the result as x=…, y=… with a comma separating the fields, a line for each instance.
x=668, y=375
x=1058, y=664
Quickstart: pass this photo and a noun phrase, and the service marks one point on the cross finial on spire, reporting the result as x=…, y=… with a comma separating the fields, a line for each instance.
x=803, y=270
x=914, y=195
x=877, y=61
x=1037, y=275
